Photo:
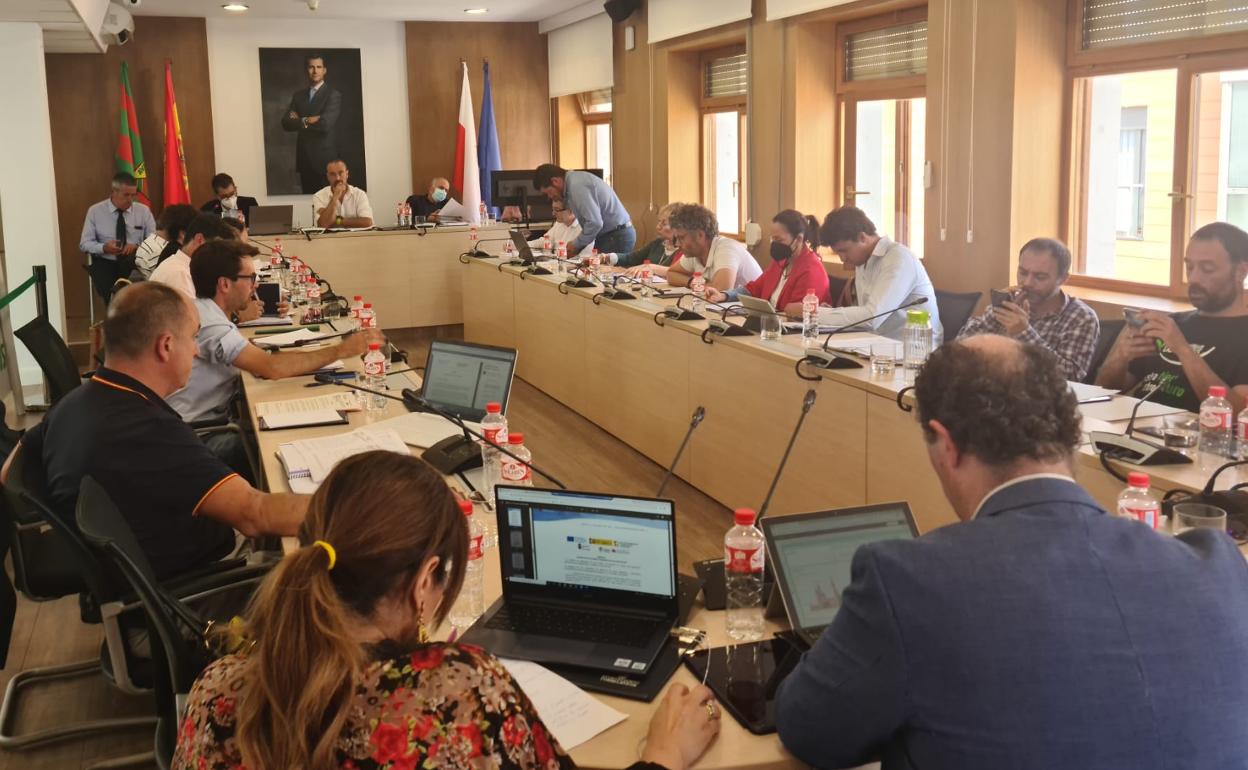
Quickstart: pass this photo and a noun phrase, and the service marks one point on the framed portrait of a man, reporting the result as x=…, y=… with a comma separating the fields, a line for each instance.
x=312, y=101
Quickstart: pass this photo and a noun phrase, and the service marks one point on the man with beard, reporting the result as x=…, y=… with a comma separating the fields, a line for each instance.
x=1185, y=354
x=1040, y=313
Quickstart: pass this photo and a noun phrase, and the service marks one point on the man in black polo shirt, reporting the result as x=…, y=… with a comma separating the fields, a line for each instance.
x=183, y=504
x=1185, y=354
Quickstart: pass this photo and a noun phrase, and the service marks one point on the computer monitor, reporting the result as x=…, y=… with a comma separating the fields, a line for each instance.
x=508, y=187
x=462, y=377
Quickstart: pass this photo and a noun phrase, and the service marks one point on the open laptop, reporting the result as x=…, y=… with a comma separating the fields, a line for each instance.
x=462, y=377
x=271, y=220
x=811, y=554
x=589, y=579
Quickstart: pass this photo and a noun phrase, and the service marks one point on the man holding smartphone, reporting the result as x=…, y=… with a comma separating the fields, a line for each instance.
x=1038, y=312
x=1183, y=355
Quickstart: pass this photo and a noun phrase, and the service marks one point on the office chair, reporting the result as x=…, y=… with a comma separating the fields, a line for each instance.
x=1104, y=343
x=52, y=355
x=955, y=310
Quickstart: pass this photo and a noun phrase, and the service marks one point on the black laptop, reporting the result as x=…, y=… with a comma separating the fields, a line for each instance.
x=589, y=579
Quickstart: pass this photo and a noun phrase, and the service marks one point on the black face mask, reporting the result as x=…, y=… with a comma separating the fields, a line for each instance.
x=780, y=251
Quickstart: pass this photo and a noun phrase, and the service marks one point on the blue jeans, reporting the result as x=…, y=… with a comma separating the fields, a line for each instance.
x=620, y=241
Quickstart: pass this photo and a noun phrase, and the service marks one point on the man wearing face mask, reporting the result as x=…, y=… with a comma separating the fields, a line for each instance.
x=1040, y=313
x=228, y=203
x=795, y=268
x=430, y=204
x=1184, y=354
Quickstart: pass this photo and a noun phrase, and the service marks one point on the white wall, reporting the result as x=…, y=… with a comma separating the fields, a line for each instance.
x=27, y=186
x=238, y=128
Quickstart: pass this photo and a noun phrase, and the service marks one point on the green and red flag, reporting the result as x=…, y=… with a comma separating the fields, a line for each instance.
x=129, y=155
x=177, y=185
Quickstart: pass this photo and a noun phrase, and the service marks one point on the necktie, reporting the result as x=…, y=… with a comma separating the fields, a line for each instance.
x=311, y=94
x=121, y=227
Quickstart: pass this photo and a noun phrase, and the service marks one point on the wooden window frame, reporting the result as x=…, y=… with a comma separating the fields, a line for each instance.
x=1077, y=56
x=711, y=105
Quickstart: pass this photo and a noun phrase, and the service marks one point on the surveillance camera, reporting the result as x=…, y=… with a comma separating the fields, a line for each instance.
x=132, y=3
x=118, y=25
x=314, y=4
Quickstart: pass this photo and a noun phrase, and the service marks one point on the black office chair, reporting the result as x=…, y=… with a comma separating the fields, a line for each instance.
x=52, y=355
x=177, y=633
x=955, y=310
x=1104, y=343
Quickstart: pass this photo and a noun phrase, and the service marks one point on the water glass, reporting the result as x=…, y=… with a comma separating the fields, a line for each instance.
x=769, y=327
x=1182, y=431
x=1198, y=516
x=884, y=358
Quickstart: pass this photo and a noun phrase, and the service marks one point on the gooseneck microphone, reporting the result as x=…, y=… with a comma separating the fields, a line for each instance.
x=698, y=415
x=1126, y=448
x=824, y=358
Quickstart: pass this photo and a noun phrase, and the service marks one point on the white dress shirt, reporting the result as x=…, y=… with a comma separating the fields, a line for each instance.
x=176, y=272
x=724, y=253
x=892, y=276
x=566, y=233
x=354, y=203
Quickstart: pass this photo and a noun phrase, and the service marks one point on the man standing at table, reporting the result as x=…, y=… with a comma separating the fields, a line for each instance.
x=604, y=222
x=313, y=113
x=112, y=232
x=339, y=204
x=429, y=204
x=1038, y=633
x=1183, y=355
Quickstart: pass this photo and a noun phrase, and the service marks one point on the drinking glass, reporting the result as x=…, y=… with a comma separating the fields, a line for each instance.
x=1182, y=430
x=1198, y=516
x=884, y=358
x=769, y=327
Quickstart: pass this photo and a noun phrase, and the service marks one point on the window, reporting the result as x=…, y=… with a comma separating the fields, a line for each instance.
x=596, y=114
x=725, y=83
x=1129, y=214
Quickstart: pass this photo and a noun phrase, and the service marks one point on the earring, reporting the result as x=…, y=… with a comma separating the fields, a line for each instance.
x=422, y=633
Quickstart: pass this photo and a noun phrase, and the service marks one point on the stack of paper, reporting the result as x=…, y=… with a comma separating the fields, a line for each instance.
x=286, y=338
x=1086, y=393
x=309, y=461
x=572, y=715
x=421, y=429
x=268, y=320
x=335, y=402
x=859, y=343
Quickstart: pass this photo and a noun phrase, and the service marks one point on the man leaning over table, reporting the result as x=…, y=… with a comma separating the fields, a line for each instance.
x=1038, y=633
x=225, y=276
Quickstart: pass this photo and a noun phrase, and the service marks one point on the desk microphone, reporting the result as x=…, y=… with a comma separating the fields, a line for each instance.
x=613, y=290
x=828, y=359
x=698, y=415
x=1131, y=450
x=476, y=251
x=417, y=403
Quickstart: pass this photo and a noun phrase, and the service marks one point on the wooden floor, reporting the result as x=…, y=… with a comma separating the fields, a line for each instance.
x=582, y=455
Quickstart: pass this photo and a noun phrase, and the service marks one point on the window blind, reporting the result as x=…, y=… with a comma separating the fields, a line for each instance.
x=596, y=102
x=667, y=19
x=891, y=52
x=727, y=76
x=1108, y=23
x=580, y=56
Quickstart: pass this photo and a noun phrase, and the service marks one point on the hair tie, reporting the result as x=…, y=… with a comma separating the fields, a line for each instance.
x=329, y=549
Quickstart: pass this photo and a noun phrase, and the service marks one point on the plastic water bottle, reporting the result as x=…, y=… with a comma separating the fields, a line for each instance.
x=1241, y=434
x=471, y=602
x=484, y=213
x=916, y=340
x=472, y=238
x=494, y=428
x=1216, y=419
x=594, y=261
x=368, y=319
x=697, y=285
x=298, y=291
x=313, y=312
x=513, y=471
x=374, y=377
x=645, y=275
x=744, y=557
x=353, y=312
x=1138, y=502
x=546, y=243
x=810, y=320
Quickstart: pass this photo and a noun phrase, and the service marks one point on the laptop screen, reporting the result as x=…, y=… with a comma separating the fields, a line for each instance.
x=461, y=378
x=559, y=544
x=813, y=553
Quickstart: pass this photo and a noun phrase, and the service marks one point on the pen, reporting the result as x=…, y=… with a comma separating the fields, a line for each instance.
x=284, y=329
x=1096, y=400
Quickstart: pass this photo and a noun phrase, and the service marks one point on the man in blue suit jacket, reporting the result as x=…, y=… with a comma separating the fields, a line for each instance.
x=1039, y=632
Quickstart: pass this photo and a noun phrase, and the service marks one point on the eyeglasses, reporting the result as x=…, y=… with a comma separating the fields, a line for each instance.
x=247, y=276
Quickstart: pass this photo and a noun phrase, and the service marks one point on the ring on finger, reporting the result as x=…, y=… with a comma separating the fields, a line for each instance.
x=711, y=711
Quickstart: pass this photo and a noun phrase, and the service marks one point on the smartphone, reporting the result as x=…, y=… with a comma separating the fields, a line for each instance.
x=999, y=297
x=269, y=294
x=1134, y=319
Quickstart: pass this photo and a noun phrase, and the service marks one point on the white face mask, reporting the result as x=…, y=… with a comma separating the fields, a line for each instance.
x=230, y=202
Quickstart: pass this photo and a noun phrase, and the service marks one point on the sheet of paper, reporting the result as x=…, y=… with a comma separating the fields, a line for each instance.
x=572, y=715
x=452, y=209
x=423, y=430
x=339, y=401
x=859, y=343
x=332, y=366
x=1084, y=392
x=268, y=320
x=285, y=420
x=322, y=454
x=1120, y=409
x=286, y=338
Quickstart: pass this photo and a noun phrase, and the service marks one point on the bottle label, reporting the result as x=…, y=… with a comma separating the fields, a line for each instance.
x=749, y=560
x=475, y=550
x=1146, y=515
x=375, y=368
x=1243, y=430
x=495, y=435
x=1215, y=419
x=515, y=471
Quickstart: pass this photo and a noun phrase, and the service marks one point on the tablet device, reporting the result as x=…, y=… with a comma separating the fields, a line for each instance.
x=746, y=677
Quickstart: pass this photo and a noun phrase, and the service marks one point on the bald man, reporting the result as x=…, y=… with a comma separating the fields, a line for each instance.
x=429, y=204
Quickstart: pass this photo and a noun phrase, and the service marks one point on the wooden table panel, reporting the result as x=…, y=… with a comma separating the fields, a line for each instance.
x=490, y=312
x=898, y=467
x=550, y=335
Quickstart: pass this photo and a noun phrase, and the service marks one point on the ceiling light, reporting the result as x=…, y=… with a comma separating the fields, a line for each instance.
x=235, y=7
x=476, y=11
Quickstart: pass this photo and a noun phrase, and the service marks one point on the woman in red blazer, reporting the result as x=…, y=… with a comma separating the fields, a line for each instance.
x=795, y=268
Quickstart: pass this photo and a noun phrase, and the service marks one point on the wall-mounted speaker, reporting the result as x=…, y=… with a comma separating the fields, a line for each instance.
x=619, y=10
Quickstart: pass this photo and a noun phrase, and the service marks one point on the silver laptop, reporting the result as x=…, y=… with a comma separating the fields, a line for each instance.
x=589, y=579
x=811, y=554
x=271, y=220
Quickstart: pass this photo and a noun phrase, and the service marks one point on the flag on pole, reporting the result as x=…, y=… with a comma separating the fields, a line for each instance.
x=466, y=177
x=488, y=159
x=177, y=185
x=129, y=154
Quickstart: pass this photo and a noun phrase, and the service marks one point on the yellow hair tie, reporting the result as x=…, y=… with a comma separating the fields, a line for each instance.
x=329, y=549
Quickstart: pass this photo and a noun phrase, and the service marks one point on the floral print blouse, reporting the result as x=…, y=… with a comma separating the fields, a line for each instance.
x=442, y=706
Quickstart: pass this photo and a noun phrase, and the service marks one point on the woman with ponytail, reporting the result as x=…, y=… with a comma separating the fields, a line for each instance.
x=337, y=670
x=795, y=268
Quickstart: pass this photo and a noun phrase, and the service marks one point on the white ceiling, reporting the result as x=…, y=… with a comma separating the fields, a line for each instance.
x=396, y=10
x=63, y=28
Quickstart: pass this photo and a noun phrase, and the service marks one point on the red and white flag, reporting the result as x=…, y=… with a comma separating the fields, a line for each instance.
x=467, y=178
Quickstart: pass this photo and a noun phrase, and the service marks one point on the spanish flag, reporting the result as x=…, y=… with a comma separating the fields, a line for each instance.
x=129, y=155
x=177, y=186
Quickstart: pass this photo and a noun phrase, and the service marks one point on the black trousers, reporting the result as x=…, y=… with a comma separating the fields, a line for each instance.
x=104, y=273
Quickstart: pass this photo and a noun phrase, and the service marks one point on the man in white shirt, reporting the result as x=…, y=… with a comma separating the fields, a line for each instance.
x=175, y=271
x=565, y=229
x=724, y=263
x=339, y=204
x=886, y=275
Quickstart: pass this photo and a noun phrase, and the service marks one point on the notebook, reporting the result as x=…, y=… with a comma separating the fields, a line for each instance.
x=308, y=461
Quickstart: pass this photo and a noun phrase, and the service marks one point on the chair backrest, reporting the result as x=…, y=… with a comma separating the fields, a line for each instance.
x=836, y=285
x=955, y=310
x=52, y=355
x=1104, y=342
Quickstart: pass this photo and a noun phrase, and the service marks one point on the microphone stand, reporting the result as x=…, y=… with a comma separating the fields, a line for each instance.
x=478, y=253
x=416, y=403
x=614, y=291
x=694, y=422
x=1126, y=448
x=828, y=359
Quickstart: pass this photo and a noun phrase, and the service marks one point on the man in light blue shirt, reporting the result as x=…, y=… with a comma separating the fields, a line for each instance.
x=112, y=232
x=604, y=221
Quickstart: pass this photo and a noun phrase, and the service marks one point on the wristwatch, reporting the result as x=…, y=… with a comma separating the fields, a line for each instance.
x=338, y=221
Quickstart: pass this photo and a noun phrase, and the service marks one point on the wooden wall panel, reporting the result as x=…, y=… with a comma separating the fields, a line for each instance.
x=83, y=99
x=520, y=82
x=569, y=132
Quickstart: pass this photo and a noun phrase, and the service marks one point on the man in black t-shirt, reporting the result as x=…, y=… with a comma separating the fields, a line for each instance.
x=183, y=504
x=1185, y=354
x=430, y=204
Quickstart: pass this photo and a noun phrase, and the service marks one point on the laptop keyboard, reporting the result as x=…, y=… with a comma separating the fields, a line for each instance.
x=572, y=624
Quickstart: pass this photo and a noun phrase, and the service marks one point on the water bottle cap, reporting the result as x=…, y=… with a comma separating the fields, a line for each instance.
x=374, y=346
x=1137, y=479
x=744, y=516
x=466, y=507
x=515, y=438
x=368, y=305
x=918, y=317
x=494, y=407
x=1217, y=391
x=697, y=274
x=358, y=298
x=645, y=261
